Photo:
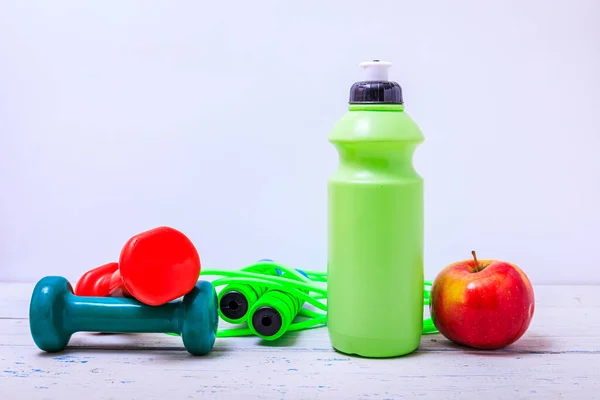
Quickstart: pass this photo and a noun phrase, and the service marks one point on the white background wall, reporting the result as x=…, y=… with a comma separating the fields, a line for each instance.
x=212, y=117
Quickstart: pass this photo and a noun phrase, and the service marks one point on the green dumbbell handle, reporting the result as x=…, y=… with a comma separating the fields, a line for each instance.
x=56, y=313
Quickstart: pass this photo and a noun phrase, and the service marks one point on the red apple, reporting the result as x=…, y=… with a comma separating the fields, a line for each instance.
x=484, y=304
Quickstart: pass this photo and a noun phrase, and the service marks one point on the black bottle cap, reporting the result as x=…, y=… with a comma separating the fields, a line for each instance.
x=266, y=321
x=376, y=88
x=234, y=305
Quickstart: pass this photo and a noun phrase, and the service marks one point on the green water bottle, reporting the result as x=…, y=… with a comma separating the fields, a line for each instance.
x=375, y=226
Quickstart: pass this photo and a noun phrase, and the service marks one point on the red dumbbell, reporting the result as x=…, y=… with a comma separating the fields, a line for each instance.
x=155, y=267
x=102, y=281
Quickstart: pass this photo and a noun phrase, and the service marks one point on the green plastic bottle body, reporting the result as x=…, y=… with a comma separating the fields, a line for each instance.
x=375, y=234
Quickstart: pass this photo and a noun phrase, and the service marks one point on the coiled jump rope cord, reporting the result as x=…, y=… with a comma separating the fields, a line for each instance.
x=309, y=287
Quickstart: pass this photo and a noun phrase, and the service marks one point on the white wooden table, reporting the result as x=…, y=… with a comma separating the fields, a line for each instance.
x=558, y=358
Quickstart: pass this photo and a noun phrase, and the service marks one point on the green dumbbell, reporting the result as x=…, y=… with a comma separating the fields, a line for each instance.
x=55, y=313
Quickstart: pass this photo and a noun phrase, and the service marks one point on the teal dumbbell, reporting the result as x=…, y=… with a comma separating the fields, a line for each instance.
x=55, y=313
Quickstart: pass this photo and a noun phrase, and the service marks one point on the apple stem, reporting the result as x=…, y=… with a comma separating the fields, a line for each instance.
x=475, y=258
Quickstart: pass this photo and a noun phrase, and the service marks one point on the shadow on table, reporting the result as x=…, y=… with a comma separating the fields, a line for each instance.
x=122, y=343
x=289, y=339
x=528, y=345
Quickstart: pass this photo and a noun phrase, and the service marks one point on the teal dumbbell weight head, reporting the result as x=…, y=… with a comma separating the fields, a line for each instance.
x=55, y=314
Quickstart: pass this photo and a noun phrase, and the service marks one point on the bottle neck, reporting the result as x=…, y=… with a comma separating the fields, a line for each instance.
x=375, y=107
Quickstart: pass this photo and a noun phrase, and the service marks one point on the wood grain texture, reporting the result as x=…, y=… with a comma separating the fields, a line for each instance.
x=559, y=357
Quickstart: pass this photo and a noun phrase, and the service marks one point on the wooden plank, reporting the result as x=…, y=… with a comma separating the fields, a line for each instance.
x=572, y=333
x=292, y=374
x=559, y=357
x=554, y=329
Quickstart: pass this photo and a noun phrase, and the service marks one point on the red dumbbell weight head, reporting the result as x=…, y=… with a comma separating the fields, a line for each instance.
x=102, y=281
x=155, y=267
x=159, y=265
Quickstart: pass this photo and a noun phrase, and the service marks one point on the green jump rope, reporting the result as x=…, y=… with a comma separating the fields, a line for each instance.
x=268, y=299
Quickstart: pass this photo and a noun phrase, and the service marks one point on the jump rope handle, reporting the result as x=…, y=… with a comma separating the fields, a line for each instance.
x=273, y=313
x=268, y=312
x=236, y=299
